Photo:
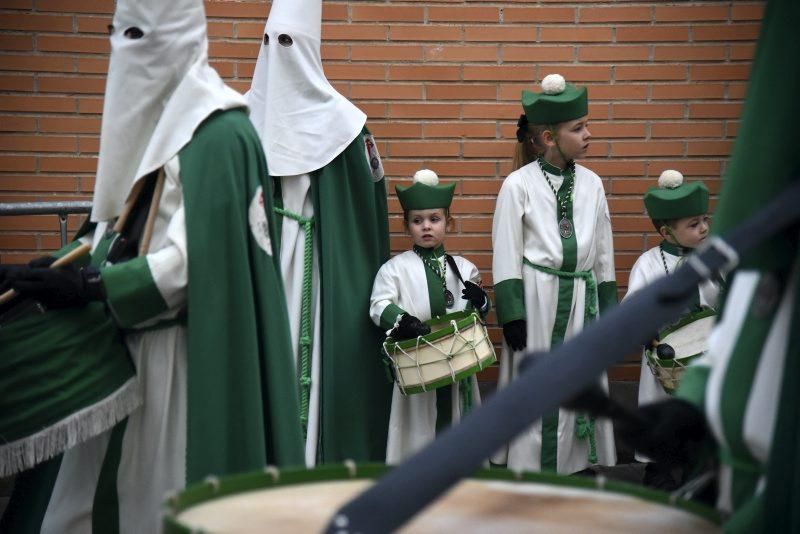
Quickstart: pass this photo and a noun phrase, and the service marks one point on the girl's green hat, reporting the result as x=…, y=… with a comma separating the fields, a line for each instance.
x=674, y=199
x=425, y=193
x=559, y=101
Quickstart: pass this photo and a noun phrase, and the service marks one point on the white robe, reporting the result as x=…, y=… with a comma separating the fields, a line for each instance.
x=526, y=226
x=154, y=444
x=402, y=281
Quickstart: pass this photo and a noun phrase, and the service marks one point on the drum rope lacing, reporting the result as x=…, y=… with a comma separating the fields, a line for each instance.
x=307, y=224
x=469, y=345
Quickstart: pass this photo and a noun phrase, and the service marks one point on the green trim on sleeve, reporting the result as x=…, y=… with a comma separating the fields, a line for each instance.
x=693, y=385
x=606, y=296
x=509, y=300
x=389, y=316
x=132, y=292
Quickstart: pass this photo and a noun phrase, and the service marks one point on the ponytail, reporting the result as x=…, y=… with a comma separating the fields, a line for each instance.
x=529, y=143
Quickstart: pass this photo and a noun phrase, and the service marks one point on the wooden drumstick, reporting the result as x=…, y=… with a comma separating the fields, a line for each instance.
x=66, y=259
x=147, y=234
x=128, y=206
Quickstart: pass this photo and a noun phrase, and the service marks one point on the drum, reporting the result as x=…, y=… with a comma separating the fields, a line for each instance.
x=678, y=345
x=457, y=347
x=65, y=377
x=494, y=500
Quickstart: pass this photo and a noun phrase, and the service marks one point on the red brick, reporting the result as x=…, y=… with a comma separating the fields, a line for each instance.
x=537, y=53
x=648, y=148
x=82, y=84
x=386, y=53
x=425, y=111
x=424, y=149
x=82, y=44
x=334, y=11
x=36, y=63
x=709, y=148
x=576, y=34
x=538, y=14
x=422, y=72
x=615, y=14
x=613, y=53
x=463, y=168
x=94, y=24
x=648, y=111
x=68, y=164
x=17, y=163
x=742, y=52
x=707, y=111
x=16, y=123
x=369, y=91
x=747, y=12
x=355, y=72
x=90, y=105
x=462, y=53
x=90, y=65
x=76, y=6
x=486, y=149
x=719, y=72
x=690, y=53
x=737, y=90
x=688, y=91
x=687, y=129
x=491, y=111
x=652, y=34
x=731, y=32
x=354, y=32
x=464, y=14
x=498, y=72
x=616, y=129
x=18, y=83
x=387, y=14
x=228, y=9
x=16, y=42
x=688, y=167
x=481, y=187
x=249, y=30
x=460, y=91
x=37, y=103
x=334, y=52
x=625, y=205
x=37, y=143
x=36, y=22
x=576, y=73
x=429, y=32
x=617, y=92
x=395, y=129
x=650, y=72
x=231, y=49
x=691, y=13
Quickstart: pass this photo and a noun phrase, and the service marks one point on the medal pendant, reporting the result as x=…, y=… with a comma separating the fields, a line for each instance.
x=565, y=228
x=449, y=301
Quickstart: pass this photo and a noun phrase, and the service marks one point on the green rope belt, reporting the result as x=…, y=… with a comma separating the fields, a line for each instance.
x=305, y=313
x=584, y=429
x=465, y=387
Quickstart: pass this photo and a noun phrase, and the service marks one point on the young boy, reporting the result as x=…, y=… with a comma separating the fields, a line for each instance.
x=413, y=287
x=679, y=212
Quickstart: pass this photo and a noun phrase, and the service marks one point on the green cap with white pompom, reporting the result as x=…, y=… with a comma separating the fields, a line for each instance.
x=558, y=102
x=674, y=199
x=425, y=193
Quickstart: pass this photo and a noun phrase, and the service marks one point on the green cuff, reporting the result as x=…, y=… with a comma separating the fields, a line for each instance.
x=509, y=296
x=389, y=316
x=693, y=385
x=83, y=261
x=606, y=296
x=132, y=294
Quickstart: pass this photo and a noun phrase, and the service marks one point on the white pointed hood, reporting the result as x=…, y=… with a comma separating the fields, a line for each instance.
x=158, y=91
x=302, y=120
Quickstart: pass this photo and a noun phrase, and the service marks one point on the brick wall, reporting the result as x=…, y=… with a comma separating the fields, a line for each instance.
x=440, y=81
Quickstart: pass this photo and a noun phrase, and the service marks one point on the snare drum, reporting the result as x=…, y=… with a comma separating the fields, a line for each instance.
x=65, y=377
x=689, y=340
x=457, y=347
x=494, y=500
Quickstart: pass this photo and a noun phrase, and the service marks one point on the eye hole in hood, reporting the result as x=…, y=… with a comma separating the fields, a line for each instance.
x=133, y=33
x=285, y=40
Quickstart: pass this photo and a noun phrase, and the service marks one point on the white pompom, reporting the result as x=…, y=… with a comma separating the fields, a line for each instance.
x=427, y=177
x=553, y=84
x=670, y=179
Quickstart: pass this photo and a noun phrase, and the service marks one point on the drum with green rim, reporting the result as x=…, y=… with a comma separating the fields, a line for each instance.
x=65, y=377
x=457, y=348
x=688, y=339
x=496, y=500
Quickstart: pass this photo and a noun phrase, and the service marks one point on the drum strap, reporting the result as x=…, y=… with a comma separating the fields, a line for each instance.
x=305, y=312
x=452, y=263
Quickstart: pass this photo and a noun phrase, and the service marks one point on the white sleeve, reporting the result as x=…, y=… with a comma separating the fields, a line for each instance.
x=604, y=261
x=384, y=294
x=507, y=238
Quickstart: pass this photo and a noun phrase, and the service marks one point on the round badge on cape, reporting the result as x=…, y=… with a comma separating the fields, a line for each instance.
x=565, y=228
x=449, y=300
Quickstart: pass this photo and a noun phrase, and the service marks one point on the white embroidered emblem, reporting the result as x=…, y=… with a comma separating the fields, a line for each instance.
x=373, y=158
x=259, y=224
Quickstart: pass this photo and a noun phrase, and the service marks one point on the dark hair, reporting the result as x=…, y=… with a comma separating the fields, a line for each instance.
x=666, y=222
x=529, y=142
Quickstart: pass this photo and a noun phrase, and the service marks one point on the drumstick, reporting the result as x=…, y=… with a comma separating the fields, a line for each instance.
x=128, y=206
x=151, y=215
x=66, y=259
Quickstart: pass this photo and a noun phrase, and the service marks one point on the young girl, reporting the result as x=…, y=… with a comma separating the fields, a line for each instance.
x=679, y=212
x=415, y=286
x=553, y=266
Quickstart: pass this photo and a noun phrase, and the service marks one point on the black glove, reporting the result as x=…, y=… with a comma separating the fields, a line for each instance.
x=516, y=334
x=671, y=431
x=41, y=263
x=409, y=327
x=6, y=274
x=64, y=287
x=592, y=400
x=475, y=294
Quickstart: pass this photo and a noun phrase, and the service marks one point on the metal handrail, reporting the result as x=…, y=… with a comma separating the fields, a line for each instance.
x=62, y=209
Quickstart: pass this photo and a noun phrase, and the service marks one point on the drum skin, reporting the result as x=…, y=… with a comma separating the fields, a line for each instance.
x=496, y=501
x=689, y=340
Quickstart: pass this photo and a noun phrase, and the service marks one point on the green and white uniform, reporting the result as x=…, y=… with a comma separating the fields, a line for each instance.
x=528, y=250
x=398, y=289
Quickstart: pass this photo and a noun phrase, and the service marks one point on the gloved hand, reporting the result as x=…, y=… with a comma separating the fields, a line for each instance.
x=6, y=273
x=41, y=263
x=475, y=294
x=516, y=334
x=668, y=431
x=592, y=400
x=409, y=327
x=64, y=287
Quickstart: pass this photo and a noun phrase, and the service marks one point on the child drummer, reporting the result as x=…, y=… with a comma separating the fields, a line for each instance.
x=417, y=285
x=679, y=212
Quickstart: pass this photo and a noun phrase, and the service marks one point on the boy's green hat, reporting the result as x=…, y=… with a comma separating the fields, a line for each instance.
x=673, y=199
x=559, y=101
x=425, y=193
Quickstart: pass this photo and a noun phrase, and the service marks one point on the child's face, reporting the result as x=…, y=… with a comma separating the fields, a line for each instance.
x=427, y=227
x=690, y=231
x=573, y=138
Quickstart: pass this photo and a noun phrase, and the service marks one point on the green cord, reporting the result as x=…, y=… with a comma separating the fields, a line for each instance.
x=465, y=387
x=585, y=429
x=305, y=314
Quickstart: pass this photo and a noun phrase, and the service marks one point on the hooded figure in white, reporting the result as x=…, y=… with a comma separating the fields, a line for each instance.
x=329, y=178
x=167, y=110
